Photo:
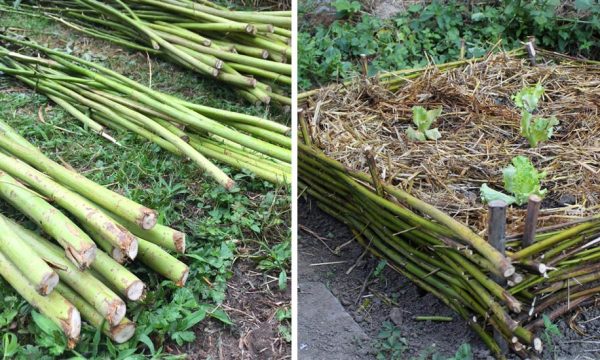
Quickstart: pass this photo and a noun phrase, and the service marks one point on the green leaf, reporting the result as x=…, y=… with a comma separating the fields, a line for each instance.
x=419, y=116
x=414, y=135
x=148, y=342
x=282, y=280
x=583, y=5
x=541, y=130
x=10, y=345
x=521, y=179
x=433, y=134
x=488, y=194
x=221, y=315
x=528, y=97
x=45, y=324
x=463, y=353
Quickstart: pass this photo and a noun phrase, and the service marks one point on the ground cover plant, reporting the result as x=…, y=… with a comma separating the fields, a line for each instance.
x=334, y=37
x=228, y=232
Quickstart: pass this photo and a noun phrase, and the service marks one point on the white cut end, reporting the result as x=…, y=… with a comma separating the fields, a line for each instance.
x=149, y=220
x=265, y=54
x=74, y=324
x=537, y=345
x=184, y=277
x=219, y=64
x=133, y=249
x=542, y=268
x=118, y=255
x=118, y=314
x=517, y=278
x=135, y=291
x=518, y=346
x=510, y=270
x=514, y=339
x=48, y=283
x=123, y=332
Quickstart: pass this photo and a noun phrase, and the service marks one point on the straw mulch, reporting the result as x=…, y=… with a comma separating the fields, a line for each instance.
x=480, y=135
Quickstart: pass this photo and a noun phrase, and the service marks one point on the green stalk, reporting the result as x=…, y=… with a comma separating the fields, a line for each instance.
x=79, y=248
x=119, y=334
x=218, y=27
x=54, y=306
x=84, y=210
x=160, y=261
x=104, y=300
x=37, y=272
x=124, y=207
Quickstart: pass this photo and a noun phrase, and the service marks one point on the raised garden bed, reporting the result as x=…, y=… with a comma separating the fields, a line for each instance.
x=418, y=203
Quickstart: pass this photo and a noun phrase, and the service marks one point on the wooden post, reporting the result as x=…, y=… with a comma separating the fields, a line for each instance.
x=533, y=210
x=374, y=172
x=365, y=66
x=304, y=127
x=530, y=46
x=497, y=238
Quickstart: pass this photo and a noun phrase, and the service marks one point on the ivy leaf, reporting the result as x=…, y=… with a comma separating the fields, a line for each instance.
x=583, y=5
x=522, y=180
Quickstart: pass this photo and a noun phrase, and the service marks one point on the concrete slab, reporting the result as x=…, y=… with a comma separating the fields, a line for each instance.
x=325, y=329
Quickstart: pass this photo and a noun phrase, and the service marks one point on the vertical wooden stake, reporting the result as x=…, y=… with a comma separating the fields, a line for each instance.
x=365, y=65
x=497, y=238
x=533, y=210
x=530, y=46
x=462, y=49
x=304, y=127
x=374, y=172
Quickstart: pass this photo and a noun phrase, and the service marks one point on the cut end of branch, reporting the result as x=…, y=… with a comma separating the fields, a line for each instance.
x=123, y=332
x=508, y=270
x=48, y=283
x=82, y=259
x=537, y=345
x=229, y=184
x=183, y=279
x=132, y=250
x=72, y=325
x=117, y=312
x=149, y=219
x=135, y=291
x=179, y=241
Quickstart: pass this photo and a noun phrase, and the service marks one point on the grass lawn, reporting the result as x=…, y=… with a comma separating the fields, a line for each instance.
x=238, y=242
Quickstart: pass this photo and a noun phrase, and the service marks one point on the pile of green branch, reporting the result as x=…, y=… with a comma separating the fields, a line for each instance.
x=496, y=293
x=80, y=272
x=247, y=50
x=100, y=98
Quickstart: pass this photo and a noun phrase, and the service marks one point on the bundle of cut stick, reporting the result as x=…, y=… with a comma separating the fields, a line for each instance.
x=80, y=272
x=100, y=98
x=248, y=50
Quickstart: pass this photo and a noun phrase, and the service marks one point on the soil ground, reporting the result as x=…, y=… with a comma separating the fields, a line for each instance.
x=252, y=300
x=392, y=297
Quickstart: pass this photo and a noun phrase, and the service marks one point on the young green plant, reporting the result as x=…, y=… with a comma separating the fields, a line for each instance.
x=536, y=129
x=423, y=119
x=521, y=179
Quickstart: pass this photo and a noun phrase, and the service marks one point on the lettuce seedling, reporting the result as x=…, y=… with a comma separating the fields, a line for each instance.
x=537, y=130
x=521, y=180
x=424, y=119
x=529, y=97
